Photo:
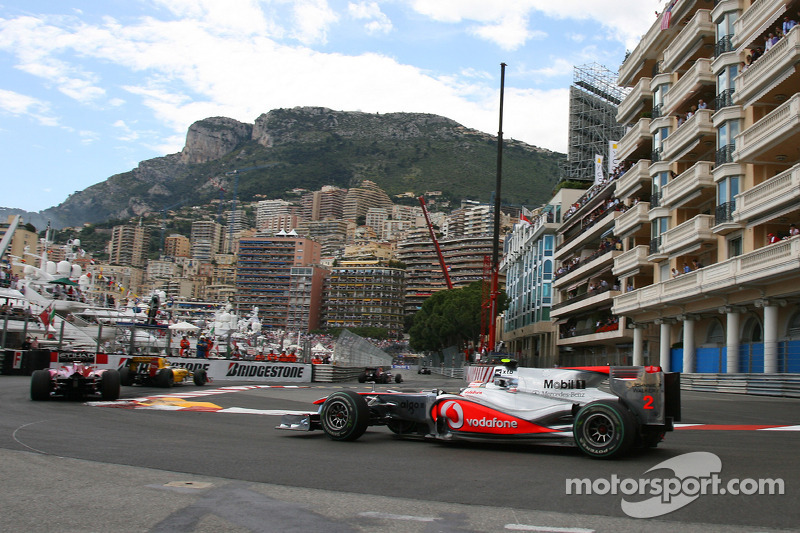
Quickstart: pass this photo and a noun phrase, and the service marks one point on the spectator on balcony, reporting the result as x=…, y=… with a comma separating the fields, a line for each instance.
x=788, y=24
x=701, y=104
x=772, y=238
x=697, y=264
x=675, y=272
x=686, y=268
x=793, y=230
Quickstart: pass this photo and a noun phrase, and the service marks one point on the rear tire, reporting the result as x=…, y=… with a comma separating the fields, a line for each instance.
x=110, y=385
x=125, y=376
x=344, y=416
x=200, y=377
x=165, y=378
x=40, y=385
x=604, y=429
x=362, y=377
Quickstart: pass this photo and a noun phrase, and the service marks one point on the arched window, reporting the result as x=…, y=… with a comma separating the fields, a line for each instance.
x=793, y=328
x=752, y=331
x=716, y=333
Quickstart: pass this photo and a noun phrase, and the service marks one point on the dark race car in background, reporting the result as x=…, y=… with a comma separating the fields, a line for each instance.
x=75, y=380
x=604, y=411
x=377, y=374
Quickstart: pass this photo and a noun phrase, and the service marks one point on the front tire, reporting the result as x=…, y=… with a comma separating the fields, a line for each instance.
x=604, y=429
x=110, y=385
x=344, y=415
x=40, y=385
x=398, y=378
x=199, y=377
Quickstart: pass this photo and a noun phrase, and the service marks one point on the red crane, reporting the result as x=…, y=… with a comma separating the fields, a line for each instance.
x=435, y=243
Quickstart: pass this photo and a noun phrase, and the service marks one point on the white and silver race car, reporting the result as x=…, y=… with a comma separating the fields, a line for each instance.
x=605, y=411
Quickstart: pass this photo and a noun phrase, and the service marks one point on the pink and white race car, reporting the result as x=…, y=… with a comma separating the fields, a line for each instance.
x=604, y=411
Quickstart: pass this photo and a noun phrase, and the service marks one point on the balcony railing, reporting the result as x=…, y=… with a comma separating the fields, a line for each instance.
x=771, y=261
x=770, y=195
x=723, y=45
x=724, y=213
x=759, y=13
x=693, y=231
x=631, y=260
x=769, y=70
x=725, y=154
x=699, y=125
x=724, y=99
x=699, y=27
x=688, y=184
x=632, y=218
x=655, y=244
x=656, y=111
x=655, y=199
x=698, y=77
x=777, y=128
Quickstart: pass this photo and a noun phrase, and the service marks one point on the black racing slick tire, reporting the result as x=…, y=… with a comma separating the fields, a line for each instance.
x=40, y=385
x=362, y=377
x=125, y=376
x=344, y=415
x=165, y=378
x=199, y=377
x=604, y=429
x=398, y=378
x=110, y=385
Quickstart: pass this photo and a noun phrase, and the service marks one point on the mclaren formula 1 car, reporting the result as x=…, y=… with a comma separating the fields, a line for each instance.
x=604, y=411
x=75, y=381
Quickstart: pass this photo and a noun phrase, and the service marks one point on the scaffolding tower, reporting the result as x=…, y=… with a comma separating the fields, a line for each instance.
x=593, y=100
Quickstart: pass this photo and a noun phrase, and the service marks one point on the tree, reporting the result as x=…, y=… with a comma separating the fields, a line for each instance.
x=447, y=318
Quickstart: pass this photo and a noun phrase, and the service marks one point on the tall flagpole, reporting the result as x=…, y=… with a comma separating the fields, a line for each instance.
x=496, y=238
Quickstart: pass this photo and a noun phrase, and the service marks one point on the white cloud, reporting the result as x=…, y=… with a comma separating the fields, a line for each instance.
x=312, y=19
x=20, y=104
x=627, y=20
x=377, y=21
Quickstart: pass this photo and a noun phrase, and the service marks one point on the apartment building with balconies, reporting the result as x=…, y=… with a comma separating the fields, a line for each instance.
x=365, y=294
x=718, y=286
x=264, y=275
x=528, y=267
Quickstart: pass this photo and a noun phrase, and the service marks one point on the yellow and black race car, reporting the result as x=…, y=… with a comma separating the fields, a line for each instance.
x=156, y=371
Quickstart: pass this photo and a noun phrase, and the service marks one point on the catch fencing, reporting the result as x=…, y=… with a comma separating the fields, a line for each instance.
x=351, y=350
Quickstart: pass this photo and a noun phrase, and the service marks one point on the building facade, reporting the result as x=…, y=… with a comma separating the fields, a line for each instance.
x=365, y=294
x=264, y=275
x=713, y=149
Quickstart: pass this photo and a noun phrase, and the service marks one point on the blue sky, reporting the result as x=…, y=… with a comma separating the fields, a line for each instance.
x=89, y=88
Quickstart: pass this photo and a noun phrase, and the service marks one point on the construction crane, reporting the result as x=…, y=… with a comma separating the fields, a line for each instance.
x=435, y=243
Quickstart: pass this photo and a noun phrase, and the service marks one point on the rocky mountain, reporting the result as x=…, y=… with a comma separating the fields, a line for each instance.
x=310, y=147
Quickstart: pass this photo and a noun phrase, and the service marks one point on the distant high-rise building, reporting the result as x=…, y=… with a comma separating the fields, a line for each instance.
x=324, y=204
x=360, y=199
x=129, y=245
x=264, y=275
x=177, y=246
x=365, y=294
x=207, y=239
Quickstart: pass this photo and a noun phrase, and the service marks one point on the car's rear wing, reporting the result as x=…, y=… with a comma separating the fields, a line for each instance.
x=653, y=396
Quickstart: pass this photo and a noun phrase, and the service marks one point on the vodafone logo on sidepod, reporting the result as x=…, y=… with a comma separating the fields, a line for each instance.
x=452, y=411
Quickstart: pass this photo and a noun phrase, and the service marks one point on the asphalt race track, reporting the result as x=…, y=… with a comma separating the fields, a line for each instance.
x=208, y=459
